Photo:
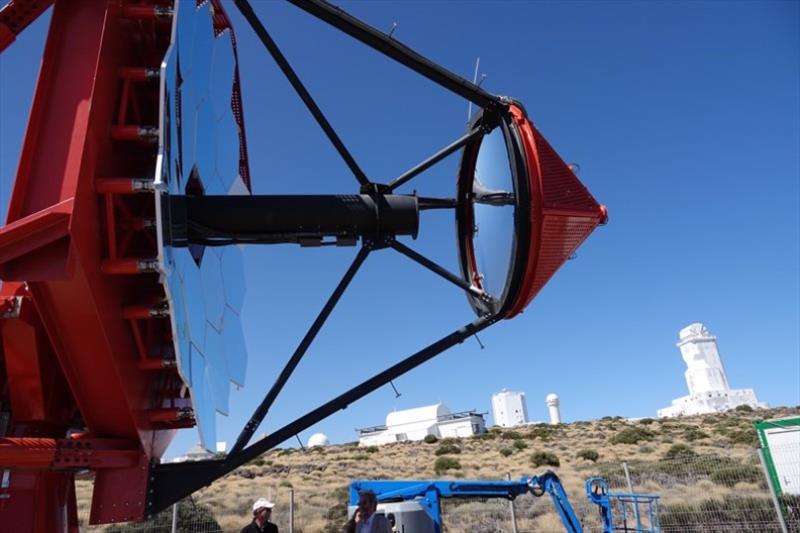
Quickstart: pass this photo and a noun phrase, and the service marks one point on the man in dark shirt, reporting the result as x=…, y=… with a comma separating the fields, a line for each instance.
x=262, y=510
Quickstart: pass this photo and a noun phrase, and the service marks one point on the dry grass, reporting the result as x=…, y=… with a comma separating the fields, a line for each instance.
x=316, y=474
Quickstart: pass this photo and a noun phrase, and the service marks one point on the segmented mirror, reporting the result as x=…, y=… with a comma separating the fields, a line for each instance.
x=199, y=153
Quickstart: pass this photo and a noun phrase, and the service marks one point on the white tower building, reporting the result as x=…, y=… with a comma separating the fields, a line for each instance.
x=709, y=391
x=509, y=408
x=553, y=408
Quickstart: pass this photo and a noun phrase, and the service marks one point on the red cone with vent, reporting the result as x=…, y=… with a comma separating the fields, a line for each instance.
x=563, y=211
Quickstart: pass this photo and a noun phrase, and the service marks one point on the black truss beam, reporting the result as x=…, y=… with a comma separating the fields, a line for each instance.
x=435, y=158
x=262, y=410
x=247, y=12
x=171, y=482
x=401, y=53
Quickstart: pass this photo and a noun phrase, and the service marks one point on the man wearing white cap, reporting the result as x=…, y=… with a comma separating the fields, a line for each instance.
x=262, y=509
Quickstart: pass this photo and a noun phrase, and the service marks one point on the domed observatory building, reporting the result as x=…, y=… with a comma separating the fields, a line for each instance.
x=709, y=391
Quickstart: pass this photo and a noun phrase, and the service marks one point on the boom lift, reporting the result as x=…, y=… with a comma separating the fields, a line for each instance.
x=415, y=506
x=425, y=515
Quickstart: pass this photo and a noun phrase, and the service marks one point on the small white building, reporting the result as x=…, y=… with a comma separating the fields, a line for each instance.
x=509, y=409
x=318, y=439
x=706, y=380
x=417, y=423
x=198, y=453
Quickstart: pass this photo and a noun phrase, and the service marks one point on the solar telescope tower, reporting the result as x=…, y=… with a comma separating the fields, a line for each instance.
x=120, y=309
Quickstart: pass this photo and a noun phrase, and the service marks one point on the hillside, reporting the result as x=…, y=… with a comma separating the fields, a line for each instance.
x=714, y=458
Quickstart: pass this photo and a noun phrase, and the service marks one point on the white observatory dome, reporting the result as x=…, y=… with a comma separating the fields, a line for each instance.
x=552, y=399
x=318, y=439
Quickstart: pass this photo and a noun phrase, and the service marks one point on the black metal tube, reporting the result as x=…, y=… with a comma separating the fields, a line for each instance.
x=170, y=482
x=302, y=92
x=262, y=410
x=220, y=220
x=426, y=202
x=436, y=268
x=435, y=158
x=390, y=47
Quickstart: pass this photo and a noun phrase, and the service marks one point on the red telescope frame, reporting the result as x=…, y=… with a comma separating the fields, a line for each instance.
x=86, y=349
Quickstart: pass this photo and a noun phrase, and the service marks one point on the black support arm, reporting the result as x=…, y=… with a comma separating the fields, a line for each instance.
x=172, y=481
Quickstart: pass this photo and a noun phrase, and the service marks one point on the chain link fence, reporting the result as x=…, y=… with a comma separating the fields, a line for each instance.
x=699, y=493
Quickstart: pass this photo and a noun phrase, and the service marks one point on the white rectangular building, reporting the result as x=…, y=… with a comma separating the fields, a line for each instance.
x=417, y=423
x=509, y=409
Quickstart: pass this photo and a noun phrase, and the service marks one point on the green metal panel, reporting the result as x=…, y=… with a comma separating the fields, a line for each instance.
x=761, y=427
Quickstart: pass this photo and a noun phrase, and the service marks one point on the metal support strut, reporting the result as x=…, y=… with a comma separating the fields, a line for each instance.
x=262, y=410
x=170, y=482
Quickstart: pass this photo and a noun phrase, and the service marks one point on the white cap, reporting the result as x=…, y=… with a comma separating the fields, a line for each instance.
x=262, y=503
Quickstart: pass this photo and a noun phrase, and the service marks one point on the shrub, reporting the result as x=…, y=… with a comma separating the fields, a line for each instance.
x=742, y=436
x=520, y=444
x=545, y=459
x=693, y=434
x=679, y=451
x=631, y=436
x=285, y=483
x=510, y=435
x=646, y=449
x=505, y=452
x=541, y=431
x=371, y=449
x=743, y=409
x=189, y=515
x=444, y=449
x=589, y=455
x=430, y=439
x=710, y=515
x=646, y=421
x=731, y=474
x=444, y=464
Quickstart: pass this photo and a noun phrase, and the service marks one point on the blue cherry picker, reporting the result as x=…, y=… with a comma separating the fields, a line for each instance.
x=415, y=506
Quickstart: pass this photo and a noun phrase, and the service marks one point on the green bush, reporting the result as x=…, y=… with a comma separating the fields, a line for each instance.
x=510, y=435
x=337, y=513
x=743, y=409
x=545, y=459
x=444, y=449
x=371, y=449
x=717, y=515
x=693, y=434
x=430, y=439
x=680, y=451
x=631, y=436
x=743, y=436
x=646, y=421
x=731, y=474
x=589, y=455
x=444, y=464
x=520, y=444
x=505, y=452
x=541, y=432
x=190, y=515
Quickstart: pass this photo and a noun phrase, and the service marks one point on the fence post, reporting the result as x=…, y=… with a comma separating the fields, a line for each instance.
x=291, y=510
x=174, y=517
x=511, y=506
x=773, y=495
x=630, y=490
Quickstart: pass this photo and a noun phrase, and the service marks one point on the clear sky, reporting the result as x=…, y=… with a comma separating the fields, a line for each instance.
x=685, y=120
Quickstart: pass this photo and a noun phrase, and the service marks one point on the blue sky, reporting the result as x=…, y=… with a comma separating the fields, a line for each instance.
x=685, y=120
